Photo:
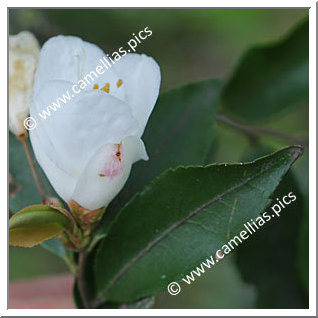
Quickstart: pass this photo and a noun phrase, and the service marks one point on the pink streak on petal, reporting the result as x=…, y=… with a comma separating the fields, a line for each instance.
x=113, y=165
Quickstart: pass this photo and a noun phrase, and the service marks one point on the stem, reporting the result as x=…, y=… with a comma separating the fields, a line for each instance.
x=252, y=131
x=22, y=139
x=81, y=279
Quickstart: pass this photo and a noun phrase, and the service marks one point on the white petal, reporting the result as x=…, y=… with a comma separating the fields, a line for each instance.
x=141, y=79
x=105, y=175
x=59, y=60
x=69, y=58
x=80, y=127
x=62, y=183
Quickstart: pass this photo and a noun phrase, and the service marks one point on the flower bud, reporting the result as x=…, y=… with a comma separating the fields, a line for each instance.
x=23, y=57
x=88, y=145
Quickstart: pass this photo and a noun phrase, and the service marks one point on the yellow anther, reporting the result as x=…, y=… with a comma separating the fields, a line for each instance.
x=106, y=88
x=119, y=83
x=95, y=86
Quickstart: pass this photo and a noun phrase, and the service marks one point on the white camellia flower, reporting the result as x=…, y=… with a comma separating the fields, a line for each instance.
x=87, y=147
x=24, y=50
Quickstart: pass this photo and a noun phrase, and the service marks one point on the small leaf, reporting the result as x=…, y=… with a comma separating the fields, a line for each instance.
x=37, y=223
x=179, y=220
x=270, y=79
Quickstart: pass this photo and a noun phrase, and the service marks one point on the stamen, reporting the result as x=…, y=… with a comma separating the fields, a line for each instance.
x=119, y=83
x=118, y=152
x=95, y=86
x=106, y=88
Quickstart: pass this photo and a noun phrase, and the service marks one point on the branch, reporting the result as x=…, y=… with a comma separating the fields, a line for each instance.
x=253, y=131
x=81, y=279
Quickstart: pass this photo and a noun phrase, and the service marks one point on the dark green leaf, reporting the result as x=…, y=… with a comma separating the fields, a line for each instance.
x=181, y=219
x=35, y=224
x=270, y=79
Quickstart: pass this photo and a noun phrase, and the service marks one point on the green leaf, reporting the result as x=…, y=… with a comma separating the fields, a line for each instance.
x=37, y=223
x=182, y=116
x=270, y=79
x=181, y=219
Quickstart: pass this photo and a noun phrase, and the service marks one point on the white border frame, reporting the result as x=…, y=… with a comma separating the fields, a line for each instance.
x=312, y=163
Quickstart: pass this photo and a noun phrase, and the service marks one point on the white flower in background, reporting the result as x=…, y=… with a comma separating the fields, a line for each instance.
x=87, y=147
x=24, y=51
